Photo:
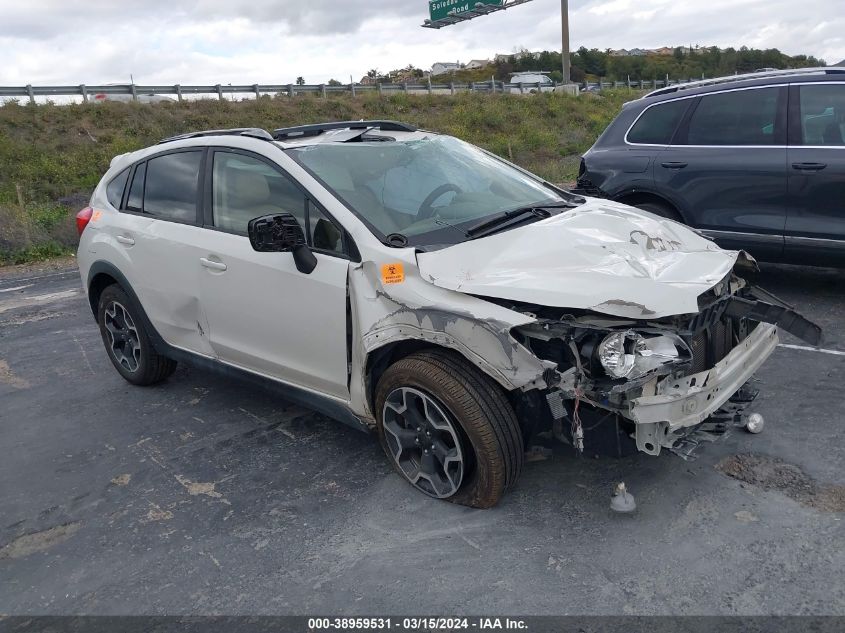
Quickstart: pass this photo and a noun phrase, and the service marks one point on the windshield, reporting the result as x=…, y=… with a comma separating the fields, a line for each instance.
x=430, y=190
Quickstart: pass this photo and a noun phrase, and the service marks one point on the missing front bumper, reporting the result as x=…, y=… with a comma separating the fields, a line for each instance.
x=680, y=403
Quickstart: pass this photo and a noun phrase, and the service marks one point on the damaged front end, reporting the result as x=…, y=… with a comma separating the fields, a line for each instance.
x=658, y=380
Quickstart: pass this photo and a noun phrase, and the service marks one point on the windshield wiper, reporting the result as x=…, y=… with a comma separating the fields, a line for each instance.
x=500, y=220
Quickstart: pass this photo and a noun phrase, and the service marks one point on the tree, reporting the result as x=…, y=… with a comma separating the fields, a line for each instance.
x=300, y=81
x=373, y=73
x=334, y=82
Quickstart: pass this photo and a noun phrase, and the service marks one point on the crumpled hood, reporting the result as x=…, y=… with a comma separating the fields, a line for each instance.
x=602, y=256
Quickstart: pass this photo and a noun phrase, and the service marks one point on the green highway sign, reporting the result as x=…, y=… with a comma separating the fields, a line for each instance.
x=439, y=9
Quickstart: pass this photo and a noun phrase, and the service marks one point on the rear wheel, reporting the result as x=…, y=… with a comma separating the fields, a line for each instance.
x=448, y=429
x=127, y=341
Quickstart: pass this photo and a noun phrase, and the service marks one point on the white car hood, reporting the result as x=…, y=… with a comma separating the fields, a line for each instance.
x=603, y=256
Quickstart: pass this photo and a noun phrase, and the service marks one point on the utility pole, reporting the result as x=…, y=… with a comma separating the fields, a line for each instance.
x=564, y=19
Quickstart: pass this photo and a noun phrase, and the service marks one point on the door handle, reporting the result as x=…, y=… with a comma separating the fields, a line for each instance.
x=123, y=239
x=213, y=265
x=809, y=166
x=671, y=165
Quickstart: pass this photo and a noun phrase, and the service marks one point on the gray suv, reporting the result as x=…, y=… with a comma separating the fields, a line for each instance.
x=756, y=162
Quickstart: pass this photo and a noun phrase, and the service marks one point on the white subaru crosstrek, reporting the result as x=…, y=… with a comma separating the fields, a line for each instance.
x=408, y=282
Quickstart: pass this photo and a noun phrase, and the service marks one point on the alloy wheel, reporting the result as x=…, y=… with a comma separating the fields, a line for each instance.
x=423, y=441
x=123, y=342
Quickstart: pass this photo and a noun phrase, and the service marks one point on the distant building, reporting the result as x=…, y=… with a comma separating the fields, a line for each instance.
x=441, y=68
x=638, y=52
x=622, y=52
x=664, y=50
x=477, y=63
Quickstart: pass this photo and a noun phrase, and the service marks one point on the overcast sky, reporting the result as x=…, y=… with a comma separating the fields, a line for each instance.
x=274, y=41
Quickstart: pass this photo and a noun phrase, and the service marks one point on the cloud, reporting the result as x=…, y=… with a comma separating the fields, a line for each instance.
x=275, y=41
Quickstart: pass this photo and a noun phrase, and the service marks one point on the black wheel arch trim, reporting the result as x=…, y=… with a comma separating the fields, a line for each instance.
x=308, y=399
x=659, y=197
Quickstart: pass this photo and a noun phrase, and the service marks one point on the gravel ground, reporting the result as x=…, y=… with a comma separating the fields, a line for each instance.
x=204, y=496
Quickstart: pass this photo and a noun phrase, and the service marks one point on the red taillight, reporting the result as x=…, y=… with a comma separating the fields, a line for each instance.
x=83, y=218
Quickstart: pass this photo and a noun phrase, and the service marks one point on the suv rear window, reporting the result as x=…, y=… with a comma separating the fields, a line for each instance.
x=742, y=117
x=657, y=124
x=171, y=186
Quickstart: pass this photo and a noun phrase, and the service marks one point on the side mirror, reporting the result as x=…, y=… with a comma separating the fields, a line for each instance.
x=280, y=233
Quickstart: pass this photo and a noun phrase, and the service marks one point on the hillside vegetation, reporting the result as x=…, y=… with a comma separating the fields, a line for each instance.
x=51, y=157
x=593, y=63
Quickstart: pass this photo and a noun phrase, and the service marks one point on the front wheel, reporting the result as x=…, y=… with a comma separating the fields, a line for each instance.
x=127, y=341
x=448, y=428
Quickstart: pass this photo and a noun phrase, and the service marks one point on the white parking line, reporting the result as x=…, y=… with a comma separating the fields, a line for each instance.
x=806, y=348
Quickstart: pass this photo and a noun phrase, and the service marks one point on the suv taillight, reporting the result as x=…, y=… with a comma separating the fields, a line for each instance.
x=83, y=218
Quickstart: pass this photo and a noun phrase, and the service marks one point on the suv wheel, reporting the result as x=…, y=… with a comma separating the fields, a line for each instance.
x=448, y=428
x=127, y=342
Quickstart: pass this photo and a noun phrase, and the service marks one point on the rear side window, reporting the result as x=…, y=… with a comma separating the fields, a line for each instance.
x=114, y=190
x=657, y=124
x=742, y=117
x=171, y=186
x=823, y=114
x=135, y=202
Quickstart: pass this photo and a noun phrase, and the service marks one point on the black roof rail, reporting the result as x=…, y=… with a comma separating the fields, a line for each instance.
x=254, y=132
x=318, y=128
x=729, y=79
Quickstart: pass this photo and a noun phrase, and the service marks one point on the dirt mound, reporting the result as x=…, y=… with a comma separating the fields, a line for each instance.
x=772, y=473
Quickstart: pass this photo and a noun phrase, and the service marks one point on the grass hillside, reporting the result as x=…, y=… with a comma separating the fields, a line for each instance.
x=51, y=157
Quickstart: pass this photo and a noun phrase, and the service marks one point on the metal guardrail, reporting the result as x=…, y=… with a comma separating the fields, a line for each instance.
x=220, y=90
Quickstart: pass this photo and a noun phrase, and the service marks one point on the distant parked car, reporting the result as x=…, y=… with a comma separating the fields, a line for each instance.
x=532, y=83
x=756, y=162
x=126, y=98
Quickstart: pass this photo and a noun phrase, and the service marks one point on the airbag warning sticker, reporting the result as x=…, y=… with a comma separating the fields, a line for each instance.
x=392, y=273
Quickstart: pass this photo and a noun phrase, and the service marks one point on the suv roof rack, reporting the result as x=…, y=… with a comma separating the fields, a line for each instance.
x=316, y=129
x=255, y=132
x=747, y=76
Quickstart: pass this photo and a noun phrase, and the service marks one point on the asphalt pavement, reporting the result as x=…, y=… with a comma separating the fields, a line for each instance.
x=206, y=496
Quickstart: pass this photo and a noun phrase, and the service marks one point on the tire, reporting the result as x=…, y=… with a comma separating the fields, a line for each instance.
x=661, y=209
x=127, y=342
x=481, y=424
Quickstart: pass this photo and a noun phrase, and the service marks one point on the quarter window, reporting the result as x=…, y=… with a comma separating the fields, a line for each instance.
x=742, y=117
x=823, y=114
x=323, y=233
x=171, y=186
x=114, y=190
x=657, y=124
